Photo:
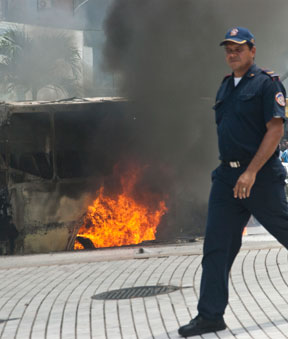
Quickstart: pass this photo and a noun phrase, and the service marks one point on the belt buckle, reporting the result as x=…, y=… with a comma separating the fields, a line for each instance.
x=234, y=164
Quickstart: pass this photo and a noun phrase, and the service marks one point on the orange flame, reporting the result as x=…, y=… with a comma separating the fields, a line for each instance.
x=120, y=220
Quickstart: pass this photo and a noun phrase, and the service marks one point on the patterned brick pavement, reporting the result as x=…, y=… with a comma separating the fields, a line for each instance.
x=49, y=296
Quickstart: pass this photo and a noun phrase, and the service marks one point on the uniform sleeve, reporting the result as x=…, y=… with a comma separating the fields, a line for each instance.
x=274, y=99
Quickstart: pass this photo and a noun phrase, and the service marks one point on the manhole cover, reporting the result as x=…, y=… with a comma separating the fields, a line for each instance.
x=135, y=292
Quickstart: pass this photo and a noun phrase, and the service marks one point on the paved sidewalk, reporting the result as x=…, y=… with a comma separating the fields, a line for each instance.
x=49, y=296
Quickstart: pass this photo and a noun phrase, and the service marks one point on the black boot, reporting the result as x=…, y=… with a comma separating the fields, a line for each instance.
x=200, y=325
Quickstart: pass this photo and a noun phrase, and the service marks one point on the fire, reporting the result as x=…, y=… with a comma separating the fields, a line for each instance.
x=120, y=219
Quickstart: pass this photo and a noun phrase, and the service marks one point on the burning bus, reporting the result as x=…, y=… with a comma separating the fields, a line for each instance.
x=68, y=179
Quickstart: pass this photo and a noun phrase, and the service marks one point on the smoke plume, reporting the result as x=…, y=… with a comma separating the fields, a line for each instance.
x=169, y=62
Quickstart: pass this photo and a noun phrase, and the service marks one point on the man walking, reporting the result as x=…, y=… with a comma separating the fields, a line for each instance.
x=250, y=111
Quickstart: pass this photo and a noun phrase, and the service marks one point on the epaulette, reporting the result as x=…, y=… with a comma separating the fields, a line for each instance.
x=226, y=77
x=271, y=74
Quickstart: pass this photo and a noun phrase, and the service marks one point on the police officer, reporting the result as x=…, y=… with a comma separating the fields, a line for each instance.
x=250, y=111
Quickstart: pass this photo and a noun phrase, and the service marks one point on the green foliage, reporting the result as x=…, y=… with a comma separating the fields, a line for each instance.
x=29, y=64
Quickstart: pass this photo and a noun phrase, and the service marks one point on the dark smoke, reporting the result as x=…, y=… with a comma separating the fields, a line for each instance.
x=164, y=70
x=169, y=62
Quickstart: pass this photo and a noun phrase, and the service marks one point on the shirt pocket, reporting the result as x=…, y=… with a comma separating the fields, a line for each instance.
x=248, y=103
x=218, y=107
x=247, y=96
x=217, y=104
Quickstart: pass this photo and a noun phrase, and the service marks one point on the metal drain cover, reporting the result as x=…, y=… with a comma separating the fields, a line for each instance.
x=135, y=292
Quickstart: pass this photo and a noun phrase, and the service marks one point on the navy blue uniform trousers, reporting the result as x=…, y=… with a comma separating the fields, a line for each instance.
x=226, y=220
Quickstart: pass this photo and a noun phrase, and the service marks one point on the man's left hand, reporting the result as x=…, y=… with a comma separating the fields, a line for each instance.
x=244, y=184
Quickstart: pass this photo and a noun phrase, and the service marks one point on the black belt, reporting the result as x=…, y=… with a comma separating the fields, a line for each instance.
x=236, y=163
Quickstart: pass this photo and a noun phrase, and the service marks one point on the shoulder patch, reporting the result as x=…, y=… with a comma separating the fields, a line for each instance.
x=279, y=97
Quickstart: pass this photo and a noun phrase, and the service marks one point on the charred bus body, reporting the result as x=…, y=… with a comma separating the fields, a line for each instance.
x=53, y=155
x=56, y=156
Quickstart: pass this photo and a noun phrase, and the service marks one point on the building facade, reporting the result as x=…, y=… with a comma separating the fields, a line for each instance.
x=82, y=19
x=42, y=12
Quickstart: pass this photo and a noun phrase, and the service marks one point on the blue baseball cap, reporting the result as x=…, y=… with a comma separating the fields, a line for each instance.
x=239, y=35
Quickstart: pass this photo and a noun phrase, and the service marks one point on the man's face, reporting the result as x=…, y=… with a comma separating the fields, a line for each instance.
x=239, y=57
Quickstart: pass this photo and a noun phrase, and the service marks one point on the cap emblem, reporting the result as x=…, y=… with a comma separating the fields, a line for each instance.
x=279, y=97
x=234, y=32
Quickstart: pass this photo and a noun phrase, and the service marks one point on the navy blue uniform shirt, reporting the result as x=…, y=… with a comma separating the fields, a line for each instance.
x=242, y=112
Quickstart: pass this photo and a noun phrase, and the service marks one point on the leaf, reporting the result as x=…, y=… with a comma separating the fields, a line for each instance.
x=31, y=63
